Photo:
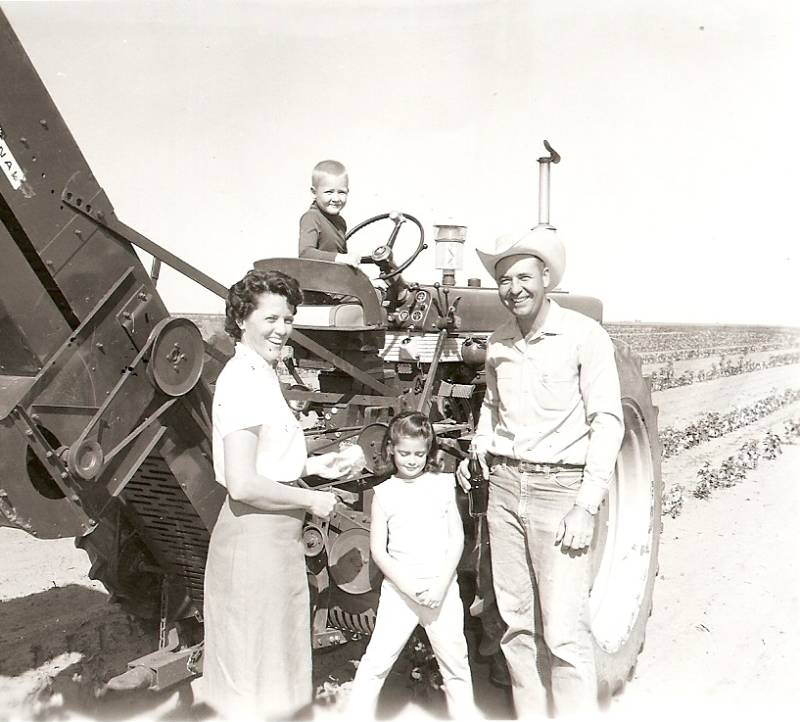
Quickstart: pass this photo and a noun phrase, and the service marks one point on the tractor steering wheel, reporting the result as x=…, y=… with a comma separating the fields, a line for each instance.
x=382, y=255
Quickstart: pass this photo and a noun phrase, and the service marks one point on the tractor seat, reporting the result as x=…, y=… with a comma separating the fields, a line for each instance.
x=348, y=316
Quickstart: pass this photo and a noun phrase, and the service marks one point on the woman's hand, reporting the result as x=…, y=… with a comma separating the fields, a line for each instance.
x=328, y=466
x=335, y=464
x=322, y=504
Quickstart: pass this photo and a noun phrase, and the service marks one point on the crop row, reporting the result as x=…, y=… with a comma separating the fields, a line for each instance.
x=713, y=424
x=698, y=339
x=733, y=469
x=664, y=377
x=688, y=353
x=746, y=458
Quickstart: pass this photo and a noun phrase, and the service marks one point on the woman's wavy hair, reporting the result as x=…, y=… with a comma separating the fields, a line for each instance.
x=243, y=296
x=409, y=424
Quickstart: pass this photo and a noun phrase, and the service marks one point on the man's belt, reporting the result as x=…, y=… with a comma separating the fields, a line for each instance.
x=530, y=467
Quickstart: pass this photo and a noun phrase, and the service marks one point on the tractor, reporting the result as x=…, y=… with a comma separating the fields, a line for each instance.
x=105, y=431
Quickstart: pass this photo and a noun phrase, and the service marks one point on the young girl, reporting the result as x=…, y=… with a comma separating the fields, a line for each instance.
x=416, y=539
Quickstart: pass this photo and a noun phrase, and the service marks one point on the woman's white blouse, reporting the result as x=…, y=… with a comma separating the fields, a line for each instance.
x=248, y=394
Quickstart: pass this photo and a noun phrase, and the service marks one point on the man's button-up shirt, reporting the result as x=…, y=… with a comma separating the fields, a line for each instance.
x=553, y=397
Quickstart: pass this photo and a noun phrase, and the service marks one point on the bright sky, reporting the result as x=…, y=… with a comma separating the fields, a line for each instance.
x=677, y=122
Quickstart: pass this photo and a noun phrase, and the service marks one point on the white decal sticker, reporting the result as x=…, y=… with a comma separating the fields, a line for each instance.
x=10, y=166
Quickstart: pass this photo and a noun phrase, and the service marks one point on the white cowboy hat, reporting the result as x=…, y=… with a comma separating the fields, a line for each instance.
x=541, y=241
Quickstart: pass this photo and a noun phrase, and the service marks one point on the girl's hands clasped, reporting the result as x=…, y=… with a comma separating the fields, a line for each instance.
x=432, y=596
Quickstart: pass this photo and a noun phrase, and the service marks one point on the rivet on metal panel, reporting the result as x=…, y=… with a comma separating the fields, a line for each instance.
x=28, y=432
x=24, y=141
x=43, y=123
x=79, y=233
x=35, y=418
x=65, y=475
x=48, y=454
x=100, y=215
x=142, y=296
x=99, y=346
x=49, y=264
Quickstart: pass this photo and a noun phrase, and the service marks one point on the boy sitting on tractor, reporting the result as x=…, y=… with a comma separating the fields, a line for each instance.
x=322, y=227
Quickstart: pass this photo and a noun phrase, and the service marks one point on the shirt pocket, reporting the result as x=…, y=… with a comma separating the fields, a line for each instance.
x=554, y=391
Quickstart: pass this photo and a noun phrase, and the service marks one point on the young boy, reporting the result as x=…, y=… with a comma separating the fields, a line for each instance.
x=322, y=227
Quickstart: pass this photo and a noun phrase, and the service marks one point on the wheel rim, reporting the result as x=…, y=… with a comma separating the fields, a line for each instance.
x=624, y=549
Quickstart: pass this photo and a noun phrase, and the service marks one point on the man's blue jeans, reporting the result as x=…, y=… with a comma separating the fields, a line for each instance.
x=542, y=591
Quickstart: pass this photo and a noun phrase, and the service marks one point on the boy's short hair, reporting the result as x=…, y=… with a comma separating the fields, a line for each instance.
x=327, y=168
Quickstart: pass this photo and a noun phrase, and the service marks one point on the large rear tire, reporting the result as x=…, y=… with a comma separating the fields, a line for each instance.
x=627, y=540
x=117, y=555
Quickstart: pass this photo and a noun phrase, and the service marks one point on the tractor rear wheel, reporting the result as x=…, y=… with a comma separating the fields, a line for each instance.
x=628, y=531
x=117, y=556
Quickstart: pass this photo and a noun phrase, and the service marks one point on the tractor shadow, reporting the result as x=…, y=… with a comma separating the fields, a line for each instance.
x=58, y=648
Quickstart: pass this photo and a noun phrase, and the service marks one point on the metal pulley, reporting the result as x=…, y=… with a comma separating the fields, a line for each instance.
x=371, y=442
x=176, y=356
x=313, y=540
x=350, y=564
x=84, y=459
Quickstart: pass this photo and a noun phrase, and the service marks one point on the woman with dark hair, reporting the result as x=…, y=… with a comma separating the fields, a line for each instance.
x=257, y=658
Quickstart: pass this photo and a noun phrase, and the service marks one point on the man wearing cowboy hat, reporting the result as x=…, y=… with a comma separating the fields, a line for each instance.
x=550, y=429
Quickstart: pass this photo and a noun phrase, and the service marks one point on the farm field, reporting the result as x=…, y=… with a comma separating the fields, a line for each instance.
x=723, y=629
x=698, y=364
x=679, y=406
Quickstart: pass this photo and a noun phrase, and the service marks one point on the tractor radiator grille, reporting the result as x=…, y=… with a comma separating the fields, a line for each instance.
x=175, y=533
x=414, y=346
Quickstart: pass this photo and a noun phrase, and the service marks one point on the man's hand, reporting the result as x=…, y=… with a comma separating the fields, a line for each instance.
x=576, y=530
x=462, y=472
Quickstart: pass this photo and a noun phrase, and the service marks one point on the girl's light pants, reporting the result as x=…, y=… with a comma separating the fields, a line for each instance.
x=397, y=618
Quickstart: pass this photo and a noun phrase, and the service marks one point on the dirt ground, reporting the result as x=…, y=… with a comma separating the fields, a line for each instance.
x=723, y=636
